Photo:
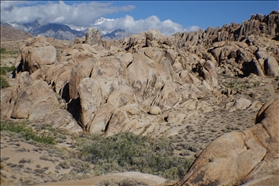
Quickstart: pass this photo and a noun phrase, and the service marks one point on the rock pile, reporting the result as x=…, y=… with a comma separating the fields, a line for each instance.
x=191, y=87
x=135, y=83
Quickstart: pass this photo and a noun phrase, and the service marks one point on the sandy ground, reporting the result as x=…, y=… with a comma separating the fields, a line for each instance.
x=26, y=164
x=151, y=180
x=22, y=161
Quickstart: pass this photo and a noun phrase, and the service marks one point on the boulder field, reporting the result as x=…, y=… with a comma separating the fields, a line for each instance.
x=192, y=87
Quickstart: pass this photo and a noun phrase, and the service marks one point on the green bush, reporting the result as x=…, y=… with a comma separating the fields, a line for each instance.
x=9, y=52
x=129, y=152
x=27, y=132
x=5, y=70
x=125, y=182
x=3, y=82
x=241, y=85
x=3, y=50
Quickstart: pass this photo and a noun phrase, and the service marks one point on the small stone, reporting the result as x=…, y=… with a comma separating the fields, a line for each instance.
x=155, y=110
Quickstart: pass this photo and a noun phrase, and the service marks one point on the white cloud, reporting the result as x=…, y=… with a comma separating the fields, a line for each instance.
x=192, y=28
x=84, y=15
x=128, y=23
x=57, y=12
x=10, y=5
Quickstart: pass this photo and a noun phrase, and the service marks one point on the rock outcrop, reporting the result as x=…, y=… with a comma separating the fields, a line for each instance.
x=35, y=101
x=92, y=37
x=36, y=54
x=271, y=67
x=147, y=83
x=240, y=157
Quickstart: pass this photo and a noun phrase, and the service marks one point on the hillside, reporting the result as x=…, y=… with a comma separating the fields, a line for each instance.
x=147, y=103
x=9, y=33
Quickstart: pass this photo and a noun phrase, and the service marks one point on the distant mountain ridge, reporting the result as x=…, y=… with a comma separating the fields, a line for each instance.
x=116, y=34
x=65, y=32
x=58, y=31
x=10, y=33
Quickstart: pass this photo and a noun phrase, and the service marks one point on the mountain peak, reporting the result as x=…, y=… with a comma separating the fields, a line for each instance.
x=102, y=20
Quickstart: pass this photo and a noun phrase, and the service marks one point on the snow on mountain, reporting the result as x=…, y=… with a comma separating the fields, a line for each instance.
x=77, y=28
x=102, y=20
x=69, y=32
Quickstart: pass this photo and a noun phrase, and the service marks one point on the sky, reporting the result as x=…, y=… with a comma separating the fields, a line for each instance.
x=168, y=17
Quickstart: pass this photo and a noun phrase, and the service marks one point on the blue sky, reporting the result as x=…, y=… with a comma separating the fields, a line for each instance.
x=200, y=13
x=137, y=16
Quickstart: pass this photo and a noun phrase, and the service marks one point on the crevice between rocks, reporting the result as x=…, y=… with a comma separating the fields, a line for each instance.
x=107, y=124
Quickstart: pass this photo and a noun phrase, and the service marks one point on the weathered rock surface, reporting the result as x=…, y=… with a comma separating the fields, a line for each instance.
x=238, y=157
x=155, y=110
x=34, y=100
x=209, y=73
x=271, y=67
x=92, y=36
x=78, y=73
x=148, y=83
x=36, y=54
x=90, y=99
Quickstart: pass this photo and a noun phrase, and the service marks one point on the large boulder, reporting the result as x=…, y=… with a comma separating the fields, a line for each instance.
x=92, y=37
x=209, y=73
x=271, y=67
x=62, y=119
x=78, y=72
x=90, y=100
x=121, y=96
x=152, y=38
x=110, y=72
x=239, y=157
x=34, y=101
x=7, y=102
x=135, y=42
x=101, y=119
x=124, y=119
x=57, y=76
x=188, y=78
x=240, y=104
x=36, y=54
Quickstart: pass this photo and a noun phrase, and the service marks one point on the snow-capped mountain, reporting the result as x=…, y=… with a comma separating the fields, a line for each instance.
x=102, y=20
x=69, y=32
x=116, y=34
x=110, y=34
x=77, y=28
x=26, y=27
x=58, y=31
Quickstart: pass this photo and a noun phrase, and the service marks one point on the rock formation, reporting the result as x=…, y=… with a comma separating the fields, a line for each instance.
x=92, y=36
x=34, y=100
x=147, y=83
x=239, y=157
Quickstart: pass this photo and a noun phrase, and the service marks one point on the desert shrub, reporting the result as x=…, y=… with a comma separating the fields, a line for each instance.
x=125, y=182
x=3, y=50
x=27, y=132
x=5, y=70
x=239, y=85
x=3, y=83
x=64, y=164
x=8, y=52
x=129, y=152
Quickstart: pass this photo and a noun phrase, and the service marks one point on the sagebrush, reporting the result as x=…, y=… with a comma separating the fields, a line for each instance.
x=129, y=152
